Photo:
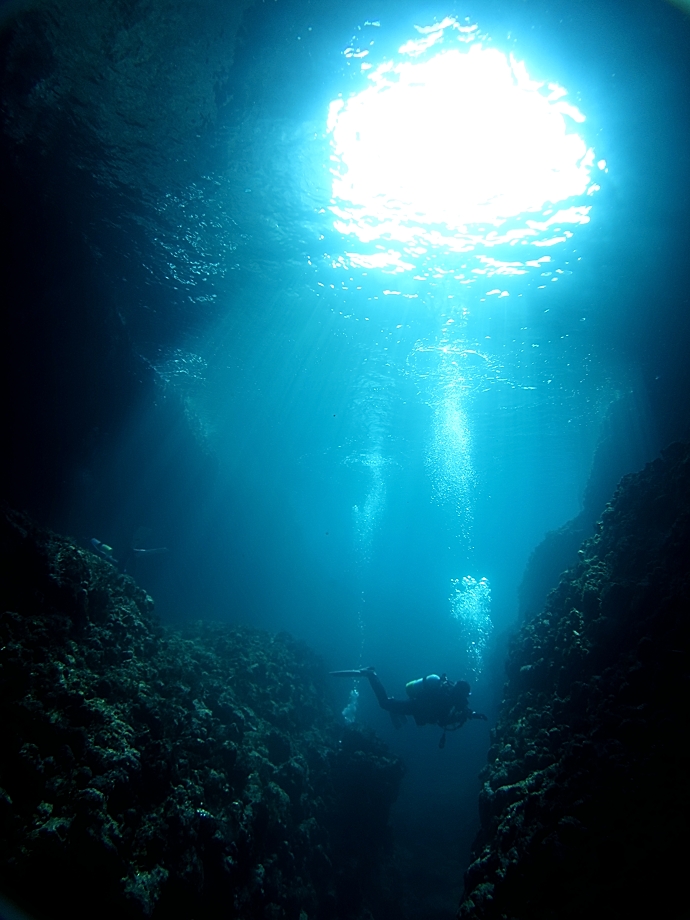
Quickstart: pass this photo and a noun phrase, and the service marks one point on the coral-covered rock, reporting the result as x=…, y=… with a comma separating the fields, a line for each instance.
x=146, y=773
x=584, y=806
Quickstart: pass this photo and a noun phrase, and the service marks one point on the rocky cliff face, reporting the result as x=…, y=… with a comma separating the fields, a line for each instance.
x=584, y=805
x=148, y=773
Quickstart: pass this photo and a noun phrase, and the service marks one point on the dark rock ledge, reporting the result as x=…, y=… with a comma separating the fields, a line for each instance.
x=145, y=773
x=584, y=806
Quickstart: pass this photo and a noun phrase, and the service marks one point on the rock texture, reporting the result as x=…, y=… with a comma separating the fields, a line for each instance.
x=93, y=72
x=625, y=444
x=145, y=773
x=584, y=806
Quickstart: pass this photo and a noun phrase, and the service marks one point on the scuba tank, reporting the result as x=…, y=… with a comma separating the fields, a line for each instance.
x=422, y=686
x=427, y=688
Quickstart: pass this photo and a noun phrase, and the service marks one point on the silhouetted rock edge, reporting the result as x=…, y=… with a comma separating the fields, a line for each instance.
x=147, y=773
x=584, y=804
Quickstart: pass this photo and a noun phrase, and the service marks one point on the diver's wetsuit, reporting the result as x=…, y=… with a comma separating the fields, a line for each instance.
x=441, y=703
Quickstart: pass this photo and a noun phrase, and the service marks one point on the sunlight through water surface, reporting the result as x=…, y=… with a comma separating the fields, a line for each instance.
x=451, y=151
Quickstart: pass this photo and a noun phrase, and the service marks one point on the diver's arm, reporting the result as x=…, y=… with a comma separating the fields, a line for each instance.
x=460, y=716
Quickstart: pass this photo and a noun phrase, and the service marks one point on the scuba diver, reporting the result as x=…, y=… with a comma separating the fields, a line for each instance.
x=128, y=565
x=103, y=550
x=432, y=700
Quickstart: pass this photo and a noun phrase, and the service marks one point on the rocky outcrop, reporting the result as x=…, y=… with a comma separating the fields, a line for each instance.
x=584, y=805
x=146, y=773
x=625, y=444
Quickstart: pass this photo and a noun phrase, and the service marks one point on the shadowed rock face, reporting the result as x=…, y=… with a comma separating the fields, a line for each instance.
x=585, y=799
x=148, y=773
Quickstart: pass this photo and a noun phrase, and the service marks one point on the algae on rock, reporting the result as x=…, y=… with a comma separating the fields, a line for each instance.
x=150, y=773
x=584, y=806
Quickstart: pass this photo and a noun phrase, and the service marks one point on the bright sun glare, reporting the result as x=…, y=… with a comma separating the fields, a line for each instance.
x=458, y=147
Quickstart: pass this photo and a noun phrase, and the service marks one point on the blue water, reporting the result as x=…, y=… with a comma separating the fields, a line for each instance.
x=355, y=454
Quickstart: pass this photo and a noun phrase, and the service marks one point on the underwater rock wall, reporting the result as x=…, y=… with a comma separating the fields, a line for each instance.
x=145, y=773
x=584, y=806
x=625, y=444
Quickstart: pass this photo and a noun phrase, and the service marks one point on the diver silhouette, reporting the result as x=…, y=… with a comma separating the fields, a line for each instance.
x=431, y=700
x=128, y=564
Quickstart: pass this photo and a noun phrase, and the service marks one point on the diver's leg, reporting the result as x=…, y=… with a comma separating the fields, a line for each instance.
x=403, y=707
x=377, y=687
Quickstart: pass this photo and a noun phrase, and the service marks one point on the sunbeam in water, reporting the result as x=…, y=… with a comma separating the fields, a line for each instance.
x=450, y=166
x=332, y=354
